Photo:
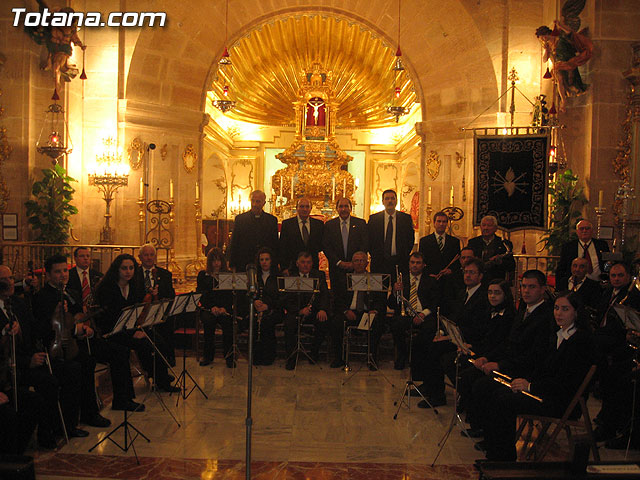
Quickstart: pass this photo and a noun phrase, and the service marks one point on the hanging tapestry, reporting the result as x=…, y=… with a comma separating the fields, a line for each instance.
x=511, y=180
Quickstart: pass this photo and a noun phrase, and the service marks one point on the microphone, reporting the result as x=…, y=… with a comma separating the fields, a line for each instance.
x=252, y=278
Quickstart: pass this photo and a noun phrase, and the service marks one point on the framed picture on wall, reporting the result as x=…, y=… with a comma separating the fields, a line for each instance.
x=10, y=220
x=606, y=233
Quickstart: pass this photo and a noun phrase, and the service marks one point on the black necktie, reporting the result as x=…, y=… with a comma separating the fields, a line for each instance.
x=305, y=232
x=388, y=237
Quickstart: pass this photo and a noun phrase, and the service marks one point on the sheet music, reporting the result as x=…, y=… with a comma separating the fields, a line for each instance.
x=299, y=284
x=630, y=318
x=155, y=313
x=231, y=281
x=187, y=302
x=371, y=282
x=366, y=321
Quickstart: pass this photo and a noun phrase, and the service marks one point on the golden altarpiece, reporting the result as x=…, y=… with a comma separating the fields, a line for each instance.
x=316, y=166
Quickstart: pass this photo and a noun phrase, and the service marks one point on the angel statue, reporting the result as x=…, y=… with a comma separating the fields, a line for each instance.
x=568, y=48
x=59, y=42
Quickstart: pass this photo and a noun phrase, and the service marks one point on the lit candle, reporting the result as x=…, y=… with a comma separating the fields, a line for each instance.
x=344, y=187
x=171, y=188
x=600, y=199
x=197, y=191
x=281, y=185
x=333, y=189
x=141, y=188
x=291, y=187
x=357, y=182
x=429, y=196
x=451, y=198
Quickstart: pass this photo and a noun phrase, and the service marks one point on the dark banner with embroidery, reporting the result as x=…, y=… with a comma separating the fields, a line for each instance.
x=511, y=180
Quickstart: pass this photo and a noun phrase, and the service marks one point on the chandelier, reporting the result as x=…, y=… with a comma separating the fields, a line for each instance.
x=51, y=141
x=395, y=108
x=225, y=72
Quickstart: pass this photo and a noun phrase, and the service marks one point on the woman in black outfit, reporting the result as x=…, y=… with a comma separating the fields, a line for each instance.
x=556, y=379
x=116, y=291
x=267, y=308
x=216, y=309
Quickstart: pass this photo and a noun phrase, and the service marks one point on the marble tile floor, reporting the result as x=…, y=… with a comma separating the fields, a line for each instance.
x=306, y=426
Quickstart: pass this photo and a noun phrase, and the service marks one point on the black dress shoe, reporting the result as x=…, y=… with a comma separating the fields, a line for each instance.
x=399, y=365
x=372, y=367
x=172, y=361
x=291, y=364
x=337, y=363
x=130, y=406
x=313, y=357
x=171, y=377
x=78, y=433
x=481, y=446
x=204, y=362
x=473, y=433
x=96, y=420
x=167, y=387
x=47, y=443
x=231, y=363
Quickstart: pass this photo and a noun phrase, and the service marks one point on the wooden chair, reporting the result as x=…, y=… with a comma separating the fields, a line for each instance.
x=543, y=442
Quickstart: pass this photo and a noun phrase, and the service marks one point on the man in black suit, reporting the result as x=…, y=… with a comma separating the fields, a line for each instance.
x=440, y=248
x=391, y=237
x=344, y=235
x=422, y=293
x=616, y=357
x=495, y=252
x=157, y=281
x=252, y=230
x=588, y=290
x=309, y=307
x=518, y=357
x=82, y=278
x=349, y=306
x=470, y=316
x=454, y=283
x=586, y=247
x=300, y=233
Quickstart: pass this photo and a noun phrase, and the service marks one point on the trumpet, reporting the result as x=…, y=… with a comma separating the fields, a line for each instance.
x=399, y=297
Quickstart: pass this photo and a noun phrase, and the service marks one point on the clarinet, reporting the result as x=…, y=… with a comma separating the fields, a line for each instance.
x=399, y=297
x=260, y=314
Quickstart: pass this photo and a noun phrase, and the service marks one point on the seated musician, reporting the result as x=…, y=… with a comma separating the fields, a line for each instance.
x=18, y=426
x=217, y=309
x=421, y=292
x=453, y=284
x=616, y=357
x=471, y=317
x=588, y=290
x=517, y=356
x=349, y=306
x=267, y=308
x=55, y=326
x=115, y=292
x=555, y=379
x=308, y=307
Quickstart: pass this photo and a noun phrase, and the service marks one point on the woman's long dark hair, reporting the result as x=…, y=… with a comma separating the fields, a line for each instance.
x=216, y=254
x=582, y=317
x=113, y=273
x=274, y=267
x=507, y=303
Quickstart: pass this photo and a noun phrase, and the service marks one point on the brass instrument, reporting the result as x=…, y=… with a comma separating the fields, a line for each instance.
x=399, y=297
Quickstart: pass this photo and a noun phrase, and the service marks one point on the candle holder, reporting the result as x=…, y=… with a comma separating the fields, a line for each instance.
x=197, y=264
x=455, y=214
x=429, y=212
x=173, y=266
x=141, y=218
x=624, y=194
x=600, y=211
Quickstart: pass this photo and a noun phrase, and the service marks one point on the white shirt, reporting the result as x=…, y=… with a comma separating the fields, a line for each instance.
x=265, y=276
x=563, y=334
x=531, y=308
x=5, y=330
x=595, y=275
x=572, y=285
x=472, y=290
x=444, y=238
x=393, y=237
x=495, y=314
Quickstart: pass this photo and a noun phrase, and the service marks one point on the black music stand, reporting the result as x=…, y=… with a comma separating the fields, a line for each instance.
x=631, y=320
x=299, y=285
x=185, y=303
x=455, y=335
x=366, y=283
x=127, y=317
x=234, y=282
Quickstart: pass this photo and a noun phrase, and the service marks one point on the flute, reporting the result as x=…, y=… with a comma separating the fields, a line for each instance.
x=450, y=263
x=503, y=381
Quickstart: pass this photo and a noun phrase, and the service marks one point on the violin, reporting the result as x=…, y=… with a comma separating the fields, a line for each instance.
x=64, y=345
x=150, y=296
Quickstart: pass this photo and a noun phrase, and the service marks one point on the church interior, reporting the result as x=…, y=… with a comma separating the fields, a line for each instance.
x=116, y=137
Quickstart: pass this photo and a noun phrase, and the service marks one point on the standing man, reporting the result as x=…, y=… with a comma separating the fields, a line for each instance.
x=158, y=281
x=300, y=233
x=344, y=235
x=585, y=247
x=82, y=278
x=391, y=237
x=495, y=252
x=252, y=230
x=439, y=248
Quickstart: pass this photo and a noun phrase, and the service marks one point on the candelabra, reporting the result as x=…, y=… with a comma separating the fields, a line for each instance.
x=197, y=264
x=429, y=211
x=600, y=211
x=173, y=266
x=109, y=174
x=624, y=194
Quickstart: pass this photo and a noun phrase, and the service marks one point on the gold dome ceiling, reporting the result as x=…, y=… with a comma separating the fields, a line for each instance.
x=268, y=62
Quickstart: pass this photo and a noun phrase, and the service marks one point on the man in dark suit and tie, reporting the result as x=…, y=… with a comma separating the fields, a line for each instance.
x=588, y=290
x=252, y=230
x=300, y=233
x=344, y=235
x=82, y=278
x=422, y=293
x=495, y=252
x=586, y=247
x=391, y=237
x=440, y=248
x=349, y=307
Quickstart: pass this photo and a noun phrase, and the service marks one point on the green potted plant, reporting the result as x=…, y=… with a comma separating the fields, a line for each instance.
x=48, y=214
x=567, y=202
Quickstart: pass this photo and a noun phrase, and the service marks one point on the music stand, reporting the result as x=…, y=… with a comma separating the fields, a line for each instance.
x=185, y=303
x=234, y=282
x=455, y=335
x=366, y=283
x=299, y=285
x=127, y=317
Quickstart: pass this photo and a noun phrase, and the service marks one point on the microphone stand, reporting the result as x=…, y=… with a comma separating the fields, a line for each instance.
x=251, y=293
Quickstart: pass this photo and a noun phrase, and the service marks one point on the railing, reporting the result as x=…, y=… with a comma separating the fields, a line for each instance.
x=24, y=256
x=545, y=263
